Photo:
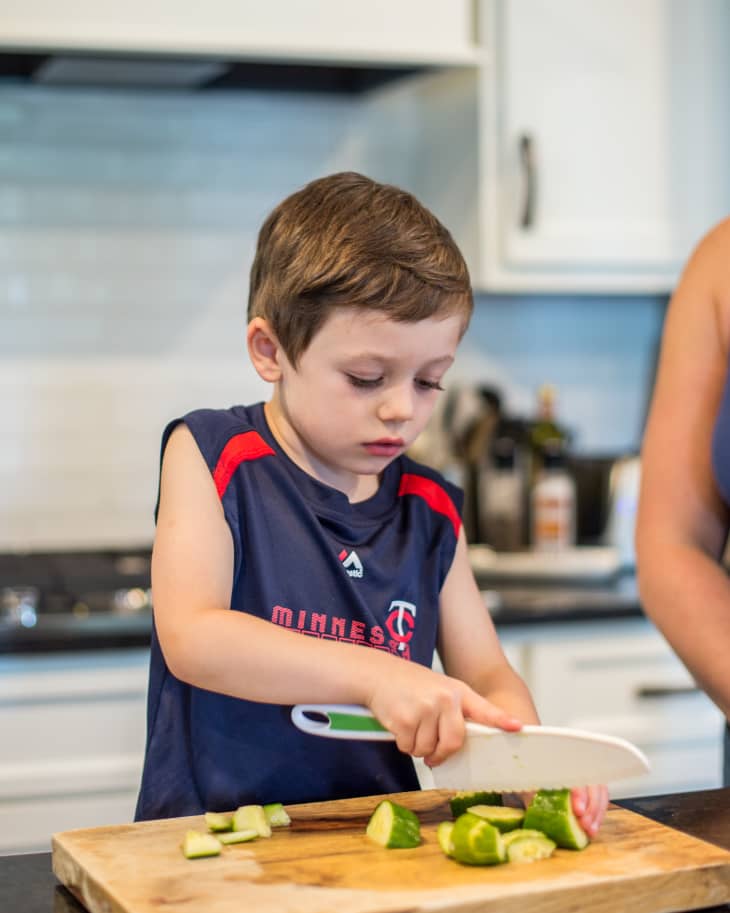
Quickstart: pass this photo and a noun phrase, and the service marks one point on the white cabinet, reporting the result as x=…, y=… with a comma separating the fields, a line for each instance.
x=72, y=743
x=369, y=31
x=621, y=678
x=604, y=137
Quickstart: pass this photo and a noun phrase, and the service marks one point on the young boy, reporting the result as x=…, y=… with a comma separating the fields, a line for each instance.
x=300, y=556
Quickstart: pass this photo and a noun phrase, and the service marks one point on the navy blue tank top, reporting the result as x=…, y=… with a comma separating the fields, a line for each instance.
x=306, y=559
x=721, y=443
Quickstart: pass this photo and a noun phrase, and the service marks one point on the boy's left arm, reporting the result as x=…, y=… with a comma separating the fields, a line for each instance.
x=470, y=650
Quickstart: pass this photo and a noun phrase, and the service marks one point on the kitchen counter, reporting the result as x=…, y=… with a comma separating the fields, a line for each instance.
x=27, y=884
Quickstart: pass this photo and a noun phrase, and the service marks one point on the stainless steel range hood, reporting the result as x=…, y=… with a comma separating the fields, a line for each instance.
x=127, y=72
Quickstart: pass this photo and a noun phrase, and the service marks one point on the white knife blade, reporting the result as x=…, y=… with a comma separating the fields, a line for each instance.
x=536, y=757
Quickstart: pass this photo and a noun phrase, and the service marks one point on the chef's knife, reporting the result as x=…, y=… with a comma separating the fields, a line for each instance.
x=536, y=757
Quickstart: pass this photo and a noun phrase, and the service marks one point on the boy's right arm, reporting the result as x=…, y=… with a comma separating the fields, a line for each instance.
x=208, y=645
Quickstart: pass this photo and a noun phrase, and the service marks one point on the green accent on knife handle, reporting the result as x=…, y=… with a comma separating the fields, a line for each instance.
x=339, y=721
x=352, y=721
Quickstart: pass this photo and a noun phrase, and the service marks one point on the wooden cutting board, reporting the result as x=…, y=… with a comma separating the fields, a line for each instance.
x=324, y=863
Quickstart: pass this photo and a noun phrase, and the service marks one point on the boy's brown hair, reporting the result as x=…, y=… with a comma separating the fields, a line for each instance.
x=348, y=241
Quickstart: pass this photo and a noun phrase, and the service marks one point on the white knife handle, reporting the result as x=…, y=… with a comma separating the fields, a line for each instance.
x=339, y=721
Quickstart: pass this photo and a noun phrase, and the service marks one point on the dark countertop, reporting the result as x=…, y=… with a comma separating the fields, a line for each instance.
x=514, y=603
x=27, y=884
x=71, y=633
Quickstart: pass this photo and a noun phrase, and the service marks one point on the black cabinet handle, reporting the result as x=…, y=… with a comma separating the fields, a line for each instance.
x=649, y=691
x=529, y=170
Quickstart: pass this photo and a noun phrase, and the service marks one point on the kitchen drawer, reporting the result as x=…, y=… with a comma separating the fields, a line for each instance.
x=26, y=825
x=628, y=680
x=623, y=679
x=73, y=738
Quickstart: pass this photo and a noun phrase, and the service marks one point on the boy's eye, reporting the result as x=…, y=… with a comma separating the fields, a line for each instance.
x=428, y=384
x=364, y=382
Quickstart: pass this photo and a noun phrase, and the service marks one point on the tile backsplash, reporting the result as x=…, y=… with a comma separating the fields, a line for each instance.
x=127, y=227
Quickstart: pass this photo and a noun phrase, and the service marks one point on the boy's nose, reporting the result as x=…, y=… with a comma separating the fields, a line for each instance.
x=396, y=405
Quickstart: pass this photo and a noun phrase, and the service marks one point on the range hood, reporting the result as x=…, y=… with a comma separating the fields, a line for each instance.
x=300, y=44
x=146, y=71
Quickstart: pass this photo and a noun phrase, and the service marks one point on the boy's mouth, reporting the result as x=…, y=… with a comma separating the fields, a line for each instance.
x=384, y=446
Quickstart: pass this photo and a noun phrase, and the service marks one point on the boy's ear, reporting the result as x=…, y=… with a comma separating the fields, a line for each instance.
x=264, y=349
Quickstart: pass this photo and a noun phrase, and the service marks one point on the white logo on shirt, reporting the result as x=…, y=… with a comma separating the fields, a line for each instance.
x=351, y=563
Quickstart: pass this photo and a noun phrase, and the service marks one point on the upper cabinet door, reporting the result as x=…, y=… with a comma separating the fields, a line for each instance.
x=605, y=133
x=366, y=31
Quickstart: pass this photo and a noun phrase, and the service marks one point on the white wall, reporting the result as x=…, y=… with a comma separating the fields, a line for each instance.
x=127, y=225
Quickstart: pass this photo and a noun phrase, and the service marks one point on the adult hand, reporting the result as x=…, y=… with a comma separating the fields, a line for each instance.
x=589, y=806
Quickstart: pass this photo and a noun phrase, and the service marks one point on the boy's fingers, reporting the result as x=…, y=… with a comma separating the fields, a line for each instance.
x=480, y=710
x=451, y=732
x=426, y=738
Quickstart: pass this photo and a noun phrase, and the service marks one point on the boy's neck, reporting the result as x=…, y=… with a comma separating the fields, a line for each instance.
x=355, y=487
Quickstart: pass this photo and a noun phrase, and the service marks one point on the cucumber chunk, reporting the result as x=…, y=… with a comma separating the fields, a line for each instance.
x=443, y=835
x=276, y=815
x=520, y=834
x=238, y=836
x=503, y=817
x=218, y=821
x=251, y=817
x=476, y=841
x=197, y=844
x=393, y=826
x=461, y=801
x=551, y=811
x=530, y=848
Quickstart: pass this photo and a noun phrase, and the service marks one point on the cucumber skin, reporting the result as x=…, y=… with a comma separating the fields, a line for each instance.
x=403, y=832
x=460, y=802
x=465, y=826
x=551, y=812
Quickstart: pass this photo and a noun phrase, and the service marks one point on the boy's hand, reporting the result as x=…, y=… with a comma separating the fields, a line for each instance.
x=589, y=806
x=426, y=711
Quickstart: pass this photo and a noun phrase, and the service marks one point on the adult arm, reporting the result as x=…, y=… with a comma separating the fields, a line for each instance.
x=682, y=520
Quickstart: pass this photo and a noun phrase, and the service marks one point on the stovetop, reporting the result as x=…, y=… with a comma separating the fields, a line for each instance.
x=73, y=583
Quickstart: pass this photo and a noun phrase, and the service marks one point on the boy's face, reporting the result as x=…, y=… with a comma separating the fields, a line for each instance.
x=362, y=392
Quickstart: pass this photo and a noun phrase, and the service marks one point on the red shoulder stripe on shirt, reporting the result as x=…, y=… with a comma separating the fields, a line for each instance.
x=246, y=446
x=433, y=494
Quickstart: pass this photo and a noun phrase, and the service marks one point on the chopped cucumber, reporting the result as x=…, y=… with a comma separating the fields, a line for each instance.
x=197, y=844
x=218, y=821
x=393, y=826
x=276, y=815
x=461, y=801
x=476, y=841
x=529, y=848
x=238, y=836
x=551, y=811
x=251, y=817
x=503, y=817
x=443, y=835
x=520, y=834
